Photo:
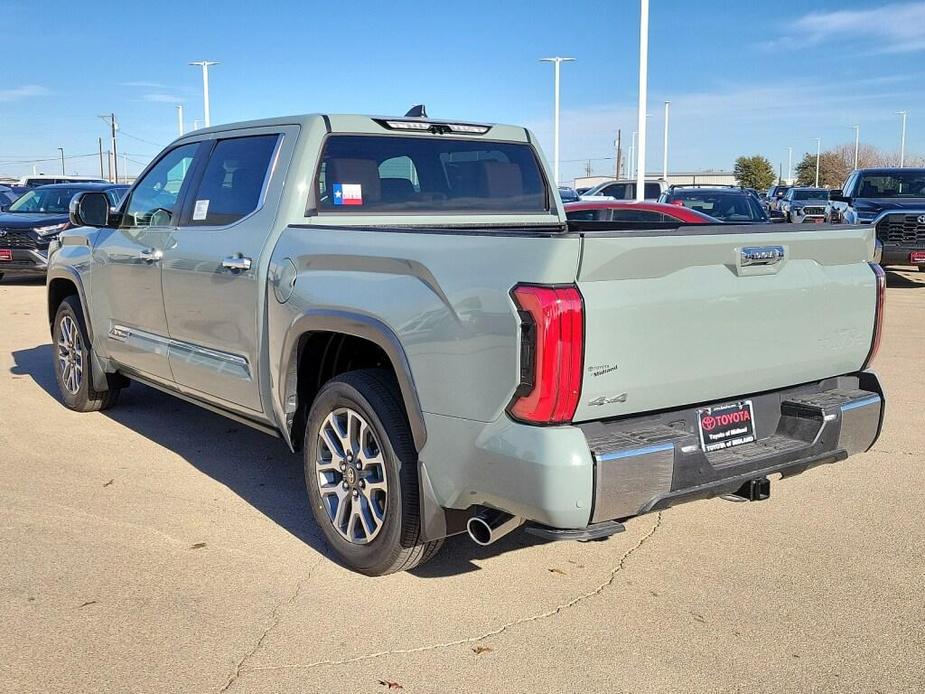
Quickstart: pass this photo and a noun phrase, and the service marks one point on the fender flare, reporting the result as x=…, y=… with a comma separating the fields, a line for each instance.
x=357, y=325
x=69, y=274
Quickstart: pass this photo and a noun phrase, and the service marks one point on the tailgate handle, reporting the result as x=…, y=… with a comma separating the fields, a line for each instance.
x=760, y=255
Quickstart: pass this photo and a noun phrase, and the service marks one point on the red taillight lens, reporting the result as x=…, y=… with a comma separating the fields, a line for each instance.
x=552, y=351
x=878, y=318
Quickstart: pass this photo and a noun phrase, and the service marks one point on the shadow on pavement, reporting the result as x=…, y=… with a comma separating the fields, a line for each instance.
x=29, y=280
x=258, y=468
x=894, y=279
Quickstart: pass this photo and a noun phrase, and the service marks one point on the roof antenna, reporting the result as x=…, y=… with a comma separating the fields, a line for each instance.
x=417, y=111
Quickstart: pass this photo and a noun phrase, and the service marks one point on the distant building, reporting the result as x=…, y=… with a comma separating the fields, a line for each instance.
x=725, y=178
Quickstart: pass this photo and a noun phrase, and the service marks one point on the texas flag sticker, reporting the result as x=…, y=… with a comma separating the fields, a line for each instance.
x=348, y=194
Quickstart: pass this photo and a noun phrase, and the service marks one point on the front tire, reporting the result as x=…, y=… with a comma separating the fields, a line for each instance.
x=72, y=361
x=361, y=474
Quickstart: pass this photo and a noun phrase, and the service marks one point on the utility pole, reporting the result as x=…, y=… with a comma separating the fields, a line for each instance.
x=857, y=143
x=195, y=125
x=643, y=91
x=113, y=125
x=780, y=173
x=665, y=145
x=109, y=165
x=205, y=65
x=63, y=172
x=180, y=119
x=789, y=165
x=818, y=153
x=588, y=169
x=902, y=142
x=101, y=157
x=616, y=170
x=557, y=63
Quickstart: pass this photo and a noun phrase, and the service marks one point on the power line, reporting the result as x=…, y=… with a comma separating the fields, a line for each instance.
x=147, y=142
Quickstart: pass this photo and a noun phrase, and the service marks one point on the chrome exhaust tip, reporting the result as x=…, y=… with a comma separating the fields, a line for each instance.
x=488, y=527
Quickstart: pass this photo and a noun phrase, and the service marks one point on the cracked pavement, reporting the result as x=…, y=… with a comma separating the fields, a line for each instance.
x=159, y=547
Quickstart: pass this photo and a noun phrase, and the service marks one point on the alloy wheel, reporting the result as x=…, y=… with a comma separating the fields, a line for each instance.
x=351, y=476
x=70, y=355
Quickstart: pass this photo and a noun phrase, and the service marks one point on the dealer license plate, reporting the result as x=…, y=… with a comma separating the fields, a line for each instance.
x=6, y=255
x=724, y=426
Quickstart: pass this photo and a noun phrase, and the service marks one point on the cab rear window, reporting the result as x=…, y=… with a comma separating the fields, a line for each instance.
x=428, y=175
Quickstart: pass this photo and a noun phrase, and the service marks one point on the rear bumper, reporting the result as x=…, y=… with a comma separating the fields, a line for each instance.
x=577, y=478
x=650, y=463
x=25, y=261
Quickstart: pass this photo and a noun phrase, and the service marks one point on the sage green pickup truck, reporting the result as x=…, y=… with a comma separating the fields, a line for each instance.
x=403, y=301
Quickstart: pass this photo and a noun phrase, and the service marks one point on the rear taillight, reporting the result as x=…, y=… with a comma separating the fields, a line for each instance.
x=551, y=353
x=878, y=318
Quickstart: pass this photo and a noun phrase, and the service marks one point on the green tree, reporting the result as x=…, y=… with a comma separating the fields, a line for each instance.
x=754, y=172
x=832, y=170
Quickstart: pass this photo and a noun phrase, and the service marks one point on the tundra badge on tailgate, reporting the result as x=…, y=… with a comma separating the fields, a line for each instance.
x=762, y=255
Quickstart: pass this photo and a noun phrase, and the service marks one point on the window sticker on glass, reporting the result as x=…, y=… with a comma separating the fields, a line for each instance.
x=201, y=211
x=348, y=193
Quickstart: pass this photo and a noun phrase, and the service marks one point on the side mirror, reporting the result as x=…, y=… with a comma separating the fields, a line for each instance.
x=89, y=209
x=4, y=208
x=837, y=195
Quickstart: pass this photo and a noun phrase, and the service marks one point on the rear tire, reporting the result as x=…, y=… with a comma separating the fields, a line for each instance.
x=361, y=474
x=73, y=369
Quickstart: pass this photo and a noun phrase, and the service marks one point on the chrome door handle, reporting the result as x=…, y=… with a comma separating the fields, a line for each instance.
x=237, y=263
x=151, y=255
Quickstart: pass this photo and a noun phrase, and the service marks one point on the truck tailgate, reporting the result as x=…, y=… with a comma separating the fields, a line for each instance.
x=681, y=317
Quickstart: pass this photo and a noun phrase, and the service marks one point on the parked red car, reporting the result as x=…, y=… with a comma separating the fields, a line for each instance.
x=633, y=211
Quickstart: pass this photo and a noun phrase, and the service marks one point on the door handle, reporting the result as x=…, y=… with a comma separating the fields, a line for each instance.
x=237, y=263
x=151, y=255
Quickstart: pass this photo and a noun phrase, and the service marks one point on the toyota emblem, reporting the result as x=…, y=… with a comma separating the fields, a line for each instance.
x=920, y=219
x=2, y=232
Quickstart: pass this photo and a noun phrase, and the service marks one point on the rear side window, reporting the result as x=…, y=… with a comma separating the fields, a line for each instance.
x=653, y=190
x=637, y=216
x=617, y=190
x=428, y=175
x=232, y=183
x=588, y=215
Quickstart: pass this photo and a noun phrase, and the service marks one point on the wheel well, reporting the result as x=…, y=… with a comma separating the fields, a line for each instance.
x=322, y=356
x=58, y=290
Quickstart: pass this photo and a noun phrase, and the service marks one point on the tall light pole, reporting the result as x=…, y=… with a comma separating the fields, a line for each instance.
x=180, y=118
x=902, y=142
x=63, y=172
x=205, y=65
x=632, y=171
x=665, y=145
x=857, y=143
x=643, y=92
x=789, y=165
x=557, y=62
x=818, y=153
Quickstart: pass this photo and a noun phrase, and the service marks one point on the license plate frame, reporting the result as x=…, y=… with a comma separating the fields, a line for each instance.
x=6, y=255
x=917, y=257
x=726, y=426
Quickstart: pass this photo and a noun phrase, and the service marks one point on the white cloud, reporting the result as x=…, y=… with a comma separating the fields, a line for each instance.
x=23, y=92
x=895, y=28
x=163, y=98
x=145, y=85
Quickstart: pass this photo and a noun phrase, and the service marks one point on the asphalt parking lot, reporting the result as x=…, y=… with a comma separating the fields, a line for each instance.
x=158, y=547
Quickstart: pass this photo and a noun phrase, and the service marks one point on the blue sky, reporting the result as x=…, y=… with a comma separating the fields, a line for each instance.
x=741, y=79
